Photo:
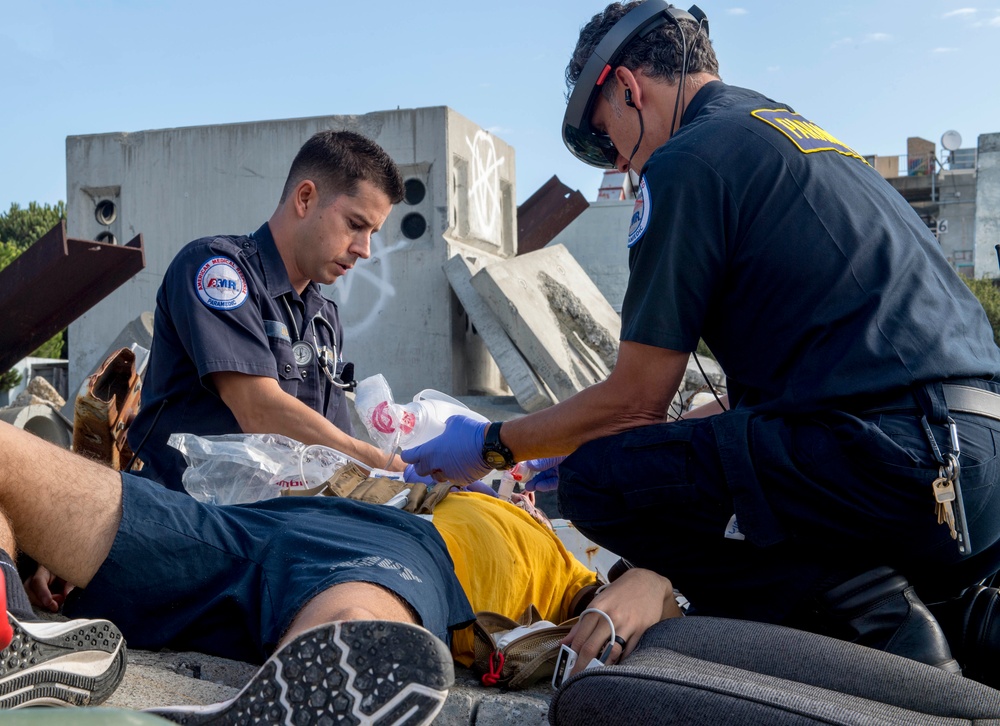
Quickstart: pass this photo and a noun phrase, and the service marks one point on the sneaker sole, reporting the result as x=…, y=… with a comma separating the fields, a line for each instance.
x=359, y=672
x=69, y=663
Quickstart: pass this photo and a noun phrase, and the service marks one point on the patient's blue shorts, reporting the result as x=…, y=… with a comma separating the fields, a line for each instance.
x=229, y=580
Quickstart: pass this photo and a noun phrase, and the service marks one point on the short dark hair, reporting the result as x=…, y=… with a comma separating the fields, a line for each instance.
x=336, y=161
x=659, y=54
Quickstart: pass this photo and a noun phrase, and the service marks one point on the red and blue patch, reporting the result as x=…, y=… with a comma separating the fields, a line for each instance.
x=220, y=284
x=640, y=213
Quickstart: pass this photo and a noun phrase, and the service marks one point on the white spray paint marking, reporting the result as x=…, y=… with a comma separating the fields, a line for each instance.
x=374, y=279
x=484, y=187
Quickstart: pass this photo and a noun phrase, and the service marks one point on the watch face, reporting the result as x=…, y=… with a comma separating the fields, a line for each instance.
x=496, y=460
x=302, y=352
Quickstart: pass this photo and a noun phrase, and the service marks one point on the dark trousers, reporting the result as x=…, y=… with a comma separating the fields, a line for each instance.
x=817, y=498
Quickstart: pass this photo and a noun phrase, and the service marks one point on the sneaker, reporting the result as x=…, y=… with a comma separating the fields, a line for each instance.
x=356, y=672
x=60, y=663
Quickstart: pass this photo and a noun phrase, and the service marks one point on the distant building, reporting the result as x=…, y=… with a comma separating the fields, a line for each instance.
x=957, y=194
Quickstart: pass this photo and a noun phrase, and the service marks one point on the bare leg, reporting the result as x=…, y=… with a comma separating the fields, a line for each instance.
x=64, y=509
x=350, y=601
x=7, y=542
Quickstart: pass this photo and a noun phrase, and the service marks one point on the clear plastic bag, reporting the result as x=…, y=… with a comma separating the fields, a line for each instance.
x=243, y=468
x=391, y=424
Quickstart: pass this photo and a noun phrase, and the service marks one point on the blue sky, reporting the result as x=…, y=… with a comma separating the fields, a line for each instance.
x=870, y=73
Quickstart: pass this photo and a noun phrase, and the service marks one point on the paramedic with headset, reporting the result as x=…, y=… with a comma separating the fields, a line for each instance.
x=856, y=464
x=243, y=339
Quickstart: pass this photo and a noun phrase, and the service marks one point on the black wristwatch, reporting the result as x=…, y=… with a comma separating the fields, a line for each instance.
x=495, y=454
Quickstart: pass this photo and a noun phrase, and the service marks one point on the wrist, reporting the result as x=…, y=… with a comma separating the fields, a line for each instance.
x=495, y=453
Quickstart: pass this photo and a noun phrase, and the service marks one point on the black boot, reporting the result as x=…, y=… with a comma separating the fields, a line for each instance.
x=882, y=611
x=972, y=624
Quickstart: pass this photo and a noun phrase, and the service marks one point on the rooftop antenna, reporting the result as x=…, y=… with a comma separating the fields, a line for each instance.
x=952, y=141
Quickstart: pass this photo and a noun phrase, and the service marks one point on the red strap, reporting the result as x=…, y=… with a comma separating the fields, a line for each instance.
x=6, y=632
x=492, y=677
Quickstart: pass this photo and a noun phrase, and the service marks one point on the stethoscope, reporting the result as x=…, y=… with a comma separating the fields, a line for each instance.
x=303, y=351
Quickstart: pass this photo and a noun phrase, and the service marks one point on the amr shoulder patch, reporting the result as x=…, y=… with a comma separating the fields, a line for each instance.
x=807, y=136
x=220, y=284
x=640, y=213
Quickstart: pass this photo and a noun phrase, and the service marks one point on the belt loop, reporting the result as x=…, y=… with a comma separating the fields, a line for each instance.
x=930, y=398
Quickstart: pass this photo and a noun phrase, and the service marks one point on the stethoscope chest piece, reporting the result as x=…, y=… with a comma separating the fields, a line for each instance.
x=303, y=353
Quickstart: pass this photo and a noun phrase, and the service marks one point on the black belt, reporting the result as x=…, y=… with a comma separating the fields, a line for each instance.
x=958, y=397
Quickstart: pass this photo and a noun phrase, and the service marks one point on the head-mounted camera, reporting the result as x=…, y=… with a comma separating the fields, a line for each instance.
x=581, y=139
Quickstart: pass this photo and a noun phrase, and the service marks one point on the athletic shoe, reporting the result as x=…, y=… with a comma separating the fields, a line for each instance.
x=61, y=663
x=357, y=672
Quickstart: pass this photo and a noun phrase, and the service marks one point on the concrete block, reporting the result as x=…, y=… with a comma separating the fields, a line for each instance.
x=597, y=240
x=556, y=316
x=512, y=709
x=529, y=390
x=987, y=205
x=42, y=420
x=39, y=390
x=147, y=686
x=693, y=379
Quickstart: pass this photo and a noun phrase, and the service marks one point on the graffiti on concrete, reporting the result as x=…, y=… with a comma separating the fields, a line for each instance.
x=364, y=292
x=485, y=204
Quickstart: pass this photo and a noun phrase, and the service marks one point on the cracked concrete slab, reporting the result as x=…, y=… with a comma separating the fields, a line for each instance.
x=529, y=390
x=555, y=315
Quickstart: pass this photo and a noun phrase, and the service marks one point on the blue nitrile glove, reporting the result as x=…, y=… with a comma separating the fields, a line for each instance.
x=481, y=487
x=457, y=454
x=547, y=476
x=410, y=476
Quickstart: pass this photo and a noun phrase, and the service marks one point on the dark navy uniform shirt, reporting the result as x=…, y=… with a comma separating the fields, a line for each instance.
x=809, y=276
x=226, y=304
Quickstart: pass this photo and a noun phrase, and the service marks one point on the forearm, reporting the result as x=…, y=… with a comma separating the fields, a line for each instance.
x=294, y=419
x=637, y=393
x=261, y=406
x=593, y=413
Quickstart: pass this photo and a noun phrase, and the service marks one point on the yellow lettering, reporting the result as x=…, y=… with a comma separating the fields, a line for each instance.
x=807, y=129
x=788, y=124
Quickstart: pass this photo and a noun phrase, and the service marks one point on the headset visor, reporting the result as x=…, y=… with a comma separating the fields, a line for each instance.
x=590, y=148
x=579, y=136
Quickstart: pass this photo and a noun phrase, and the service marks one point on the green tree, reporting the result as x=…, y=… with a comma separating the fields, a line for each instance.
x=23, y=227
x=989, y=297
x=19, y=229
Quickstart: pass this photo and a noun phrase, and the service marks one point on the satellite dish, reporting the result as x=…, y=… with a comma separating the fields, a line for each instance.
x=951, y=140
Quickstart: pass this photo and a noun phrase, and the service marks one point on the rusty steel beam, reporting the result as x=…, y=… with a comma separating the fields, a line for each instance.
x=546, y=213
x=54, y=282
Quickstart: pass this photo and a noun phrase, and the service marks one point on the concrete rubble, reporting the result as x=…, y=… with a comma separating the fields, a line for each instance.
x=37, y=409
x=556, y=317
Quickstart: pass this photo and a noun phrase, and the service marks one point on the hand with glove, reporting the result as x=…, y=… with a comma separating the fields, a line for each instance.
x=410, y=476
x=543, y=473
x=456, y=455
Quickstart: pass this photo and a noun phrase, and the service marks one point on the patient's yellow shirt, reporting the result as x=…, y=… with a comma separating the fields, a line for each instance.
x=506, y=561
